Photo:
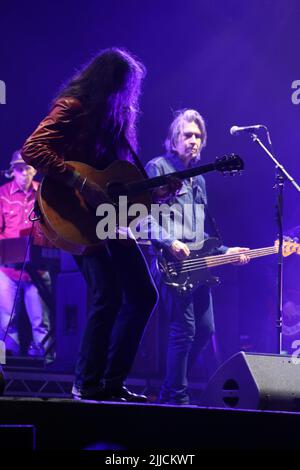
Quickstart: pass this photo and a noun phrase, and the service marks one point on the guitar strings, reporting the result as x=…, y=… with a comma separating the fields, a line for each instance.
x=221, y=259
x=232, y=257
x=201, y=265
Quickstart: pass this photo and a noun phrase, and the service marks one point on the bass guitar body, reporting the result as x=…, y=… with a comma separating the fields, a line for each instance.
x=181, y=275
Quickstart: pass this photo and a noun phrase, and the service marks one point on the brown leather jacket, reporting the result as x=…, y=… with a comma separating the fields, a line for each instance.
x=61, y=136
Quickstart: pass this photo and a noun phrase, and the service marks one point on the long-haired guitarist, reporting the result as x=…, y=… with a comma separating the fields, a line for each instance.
x=191, y=322
x=93, y=120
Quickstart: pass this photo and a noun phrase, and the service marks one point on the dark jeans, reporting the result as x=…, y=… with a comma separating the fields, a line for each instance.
x=190, y=326
x=123, y=297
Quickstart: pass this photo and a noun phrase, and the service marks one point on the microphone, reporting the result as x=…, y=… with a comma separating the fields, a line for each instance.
x=236, y=129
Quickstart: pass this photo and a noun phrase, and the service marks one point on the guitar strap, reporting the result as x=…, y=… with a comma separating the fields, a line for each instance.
x=212, y=221
x=137, y=161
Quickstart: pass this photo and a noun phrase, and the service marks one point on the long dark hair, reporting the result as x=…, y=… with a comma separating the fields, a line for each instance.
x=109, y=87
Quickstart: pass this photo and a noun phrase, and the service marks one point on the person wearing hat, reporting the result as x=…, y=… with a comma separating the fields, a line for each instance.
x=16, y=202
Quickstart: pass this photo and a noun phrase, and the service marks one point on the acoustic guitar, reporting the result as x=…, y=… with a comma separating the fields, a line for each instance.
x=70, y=223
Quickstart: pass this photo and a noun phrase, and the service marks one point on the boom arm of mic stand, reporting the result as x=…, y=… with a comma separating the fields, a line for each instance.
x=255, y=139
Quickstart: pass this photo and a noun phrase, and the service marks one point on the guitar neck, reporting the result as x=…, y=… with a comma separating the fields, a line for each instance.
x=228, y=259
x=157, y=181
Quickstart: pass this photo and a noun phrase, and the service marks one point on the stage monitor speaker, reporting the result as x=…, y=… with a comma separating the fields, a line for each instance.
x=255, y=381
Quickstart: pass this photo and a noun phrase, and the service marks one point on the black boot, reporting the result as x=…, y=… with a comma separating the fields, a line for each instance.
x=123, y=394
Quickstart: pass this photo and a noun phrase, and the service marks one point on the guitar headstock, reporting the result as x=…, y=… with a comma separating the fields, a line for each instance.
x=289, y=246
x=230, y=164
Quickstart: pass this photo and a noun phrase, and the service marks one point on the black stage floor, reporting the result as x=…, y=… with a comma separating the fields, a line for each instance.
x=65, y=424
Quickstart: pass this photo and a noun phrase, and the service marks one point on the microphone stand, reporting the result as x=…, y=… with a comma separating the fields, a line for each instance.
x=281, y=176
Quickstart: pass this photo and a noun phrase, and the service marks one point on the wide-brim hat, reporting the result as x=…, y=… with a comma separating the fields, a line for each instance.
x=16, y=158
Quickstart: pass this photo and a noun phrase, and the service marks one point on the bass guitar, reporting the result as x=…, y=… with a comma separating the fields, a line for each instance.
x=188, y=274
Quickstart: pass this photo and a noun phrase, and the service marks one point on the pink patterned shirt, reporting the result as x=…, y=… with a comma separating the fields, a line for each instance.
x=15, y=207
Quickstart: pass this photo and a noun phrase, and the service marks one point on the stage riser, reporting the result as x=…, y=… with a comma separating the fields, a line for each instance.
x=65, y=424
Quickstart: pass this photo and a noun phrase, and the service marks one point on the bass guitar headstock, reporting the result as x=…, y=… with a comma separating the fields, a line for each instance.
x=289, y=246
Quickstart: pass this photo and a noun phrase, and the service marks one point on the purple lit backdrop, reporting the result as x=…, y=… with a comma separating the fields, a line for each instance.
x=234, y=61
